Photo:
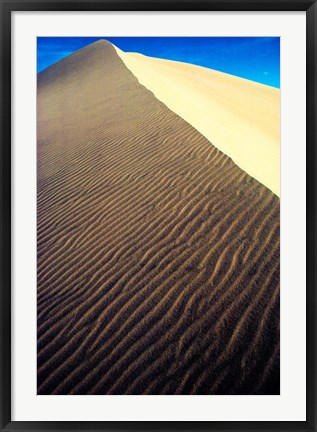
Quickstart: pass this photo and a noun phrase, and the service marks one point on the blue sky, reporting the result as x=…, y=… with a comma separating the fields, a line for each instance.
x=254, y=58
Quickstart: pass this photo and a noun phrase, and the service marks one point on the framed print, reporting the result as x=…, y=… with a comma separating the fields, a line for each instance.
x=158, y=215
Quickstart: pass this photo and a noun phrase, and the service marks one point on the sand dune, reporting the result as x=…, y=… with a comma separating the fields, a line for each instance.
x=158, y=257
x=240, y=117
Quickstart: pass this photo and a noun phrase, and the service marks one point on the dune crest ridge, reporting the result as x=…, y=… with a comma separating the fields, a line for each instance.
x=240, y=117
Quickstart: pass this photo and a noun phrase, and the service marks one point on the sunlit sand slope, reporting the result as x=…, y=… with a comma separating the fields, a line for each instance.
x=158, y=257
x=240, y=117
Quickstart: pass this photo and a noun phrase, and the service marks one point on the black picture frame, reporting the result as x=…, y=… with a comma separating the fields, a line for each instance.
x=7, y=7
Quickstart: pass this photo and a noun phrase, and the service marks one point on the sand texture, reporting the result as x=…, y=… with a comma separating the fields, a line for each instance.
x=240, y=117
x=158, y=257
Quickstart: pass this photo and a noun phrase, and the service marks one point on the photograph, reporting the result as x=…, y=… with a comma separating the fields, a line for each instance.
x=158, y=215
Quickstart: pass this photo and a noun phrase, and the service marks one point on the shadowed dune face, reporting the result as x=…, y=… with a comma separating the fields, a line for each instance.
x=158, y=257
